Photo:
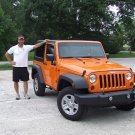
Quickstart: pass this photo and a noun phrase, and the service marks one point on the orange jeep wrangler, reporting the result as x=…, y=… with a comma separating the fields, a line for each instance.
x=83, y=75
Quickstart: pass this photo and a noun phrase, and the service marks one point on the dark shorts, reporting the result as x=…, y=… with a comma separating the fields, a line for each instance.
x=20, y=73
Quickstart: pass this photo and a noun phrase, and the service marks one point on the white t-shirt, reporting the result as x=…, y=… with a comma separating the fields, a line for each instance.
x=20, y=55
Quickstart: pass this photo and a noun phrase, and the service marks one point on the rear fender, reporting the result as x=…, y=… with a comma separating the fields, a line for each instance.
x=37, y=70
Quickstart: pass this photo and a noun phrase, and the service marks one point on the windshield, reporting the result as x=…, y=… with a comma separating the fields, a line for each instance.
x=80, y=50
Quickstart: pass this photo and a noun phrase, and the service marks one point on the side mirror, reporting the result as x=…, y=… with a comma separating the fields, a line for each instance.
x=50, y=57
x=107, y=55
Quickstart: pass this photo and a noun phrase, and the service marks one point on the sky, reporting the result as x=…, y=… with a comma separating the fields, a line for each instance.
x=114, y=8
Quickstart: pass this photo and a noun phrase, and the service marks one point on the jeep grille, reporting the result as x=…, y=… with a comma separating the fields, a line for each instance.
x=112, y=80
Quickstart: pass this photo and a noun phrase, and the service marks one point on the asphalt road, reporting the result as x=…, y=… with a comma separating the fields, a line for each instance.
x=40, y=116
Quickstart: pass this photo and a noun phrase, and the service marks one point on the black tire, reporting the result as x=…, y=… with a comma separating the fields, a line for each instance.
x=126, y=107
x=68, y=92
x=39, y=88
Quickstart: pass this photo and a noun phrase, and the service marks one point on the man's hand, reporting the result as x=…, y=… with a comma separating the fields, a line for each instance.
x=12, y=62
x=39, y=44
x=9, y=59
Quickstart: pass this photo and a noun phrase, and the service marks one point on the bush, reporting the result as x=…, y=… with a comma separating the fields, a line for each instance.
x=112, y=47
x=8, y=32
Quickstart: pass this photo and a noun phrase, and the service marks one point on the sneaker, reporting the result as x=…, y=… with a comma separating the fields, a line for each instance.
x=26, y=96
x=18, y=97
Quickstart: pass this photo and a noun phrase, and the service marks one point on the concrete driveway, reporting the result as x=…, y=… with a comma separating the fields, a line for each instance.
x=40, y=116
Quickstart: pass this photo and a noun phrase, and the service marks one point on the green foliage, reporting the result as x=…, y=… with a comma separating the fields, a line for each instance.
x=115, y=40
x=74, y=19
x=7, y=32
x=130, y=35
x=123, y=55
x=5, y=67
x=67, y=19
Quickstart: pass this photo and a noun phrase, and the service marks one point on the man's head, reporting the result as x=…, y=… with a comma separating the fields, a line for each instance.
x=20, y=40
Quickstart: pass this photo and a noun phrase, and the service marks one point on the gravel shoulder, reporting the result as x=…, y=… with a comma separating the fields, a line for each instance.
x=40, y=116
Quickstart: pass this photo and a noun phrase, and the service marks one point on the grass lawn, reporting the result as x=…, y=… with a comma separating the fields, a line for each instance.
x=8, y=67
x=123, y=55
x=5, y=67
x=31, y=55
x=119, y=55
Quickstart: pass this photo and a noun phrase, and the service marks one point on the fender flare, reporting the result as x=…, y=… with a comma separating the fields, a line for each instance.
x=76, y=81
x=39, y=71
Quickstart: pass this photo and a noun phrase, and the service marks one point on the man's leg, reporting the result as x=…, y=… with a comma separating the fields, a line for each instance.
x=25, y=86
x=16, y=87
x=16, y=74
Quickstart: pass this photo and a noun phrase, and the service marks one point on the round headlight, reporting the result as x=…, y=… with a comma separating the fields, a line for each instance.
x=128, y=76
x=92, y=78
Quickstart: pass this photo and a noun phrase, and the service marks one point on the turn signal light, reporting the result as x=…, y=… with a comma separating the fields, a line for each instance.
x=92, y=87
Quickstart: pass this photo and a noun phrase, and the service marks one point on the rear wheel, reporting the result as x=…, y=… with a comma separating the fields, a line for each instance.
x=39, y=88
x=68, y=106
x=126, y=107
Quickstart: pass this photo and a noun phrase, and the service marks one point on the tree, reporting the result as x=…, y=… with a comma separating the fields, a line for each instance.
x=126, y=20
x=130, y=35
x=7, y=32
x=70, y=19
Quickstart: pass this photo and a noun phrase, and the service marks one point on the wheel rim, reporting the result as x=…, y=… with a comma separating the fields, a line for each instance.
x=36, y=84
x=69, y=104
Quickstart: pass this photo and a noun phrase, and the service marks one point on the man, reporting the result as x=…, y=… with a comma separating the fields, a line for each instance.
x=20, y=64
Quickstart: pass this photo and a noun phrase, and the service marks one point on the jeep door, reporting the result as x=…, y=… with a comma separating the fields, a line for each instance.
x=50, y=67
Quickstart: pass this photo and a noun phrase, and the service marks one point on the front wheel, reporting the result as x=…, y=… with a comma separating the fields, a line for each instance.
x=68, y=106
x=126, y=107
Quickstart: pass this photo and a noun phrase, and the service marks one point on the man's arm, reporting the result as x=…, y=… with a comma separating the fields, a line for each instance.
x=8, y=56
x=39, y=44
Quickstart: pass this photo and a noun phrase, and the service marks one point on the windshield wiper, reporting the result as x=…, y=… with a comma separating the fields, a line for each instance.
x=89, y=57
x=74, y=58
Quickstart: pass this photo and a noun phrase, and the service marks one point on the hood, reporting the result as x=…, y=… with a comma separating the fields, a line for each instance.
x=91, y=65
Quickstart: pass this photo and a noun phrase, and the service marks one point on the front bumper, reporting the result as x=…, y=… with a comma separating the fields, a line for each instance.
x=107, y=99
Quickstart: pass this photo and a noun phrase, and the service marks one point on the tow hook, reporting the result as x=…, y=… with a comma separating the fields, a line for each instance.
x=110, y=98
x=128, y=96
